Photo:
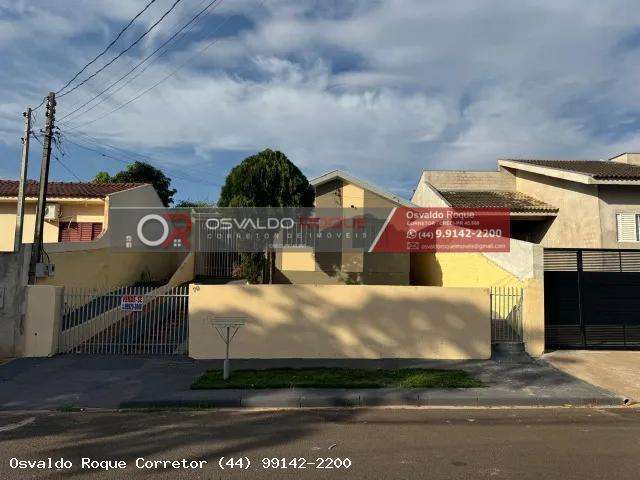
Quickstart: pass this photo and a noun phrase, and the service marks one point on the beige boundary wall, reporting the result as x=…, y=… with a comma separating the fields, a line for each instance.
x=342, y=321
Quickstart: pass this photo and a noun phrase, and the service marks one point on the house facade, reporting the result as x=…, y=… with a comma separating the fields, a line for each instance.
x=554, y=203
x=76, y=211
x=351, y=264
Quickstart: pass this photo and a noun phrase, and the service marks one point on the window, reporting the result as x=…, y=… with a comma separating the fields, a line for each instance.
x=79, y=231
x=628, y=227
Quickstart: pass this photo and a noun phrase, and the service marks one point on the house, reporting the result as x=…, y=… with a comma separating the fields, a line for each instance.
x=586, y=216
x=350, y=264
x=554, y=203
x=76, y=211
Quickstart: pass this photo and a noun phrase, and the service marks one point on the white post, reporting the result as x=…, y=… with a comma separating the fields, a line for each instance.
x=226, y=368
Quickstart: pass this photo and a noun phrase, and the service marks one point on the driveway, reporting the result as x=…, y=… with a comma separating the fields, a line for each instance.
x=616, y=371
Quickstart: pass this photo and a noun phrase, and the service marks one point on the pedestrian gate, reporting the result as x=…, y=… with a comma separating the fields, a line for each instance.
x=506, y=315
x=125, y=321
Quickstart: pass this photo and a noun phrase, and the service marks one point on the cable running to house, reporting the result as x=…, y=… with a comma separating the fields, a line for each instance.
x=166, y=42
x=75, y=108
x=111, y=44
x=164, y=15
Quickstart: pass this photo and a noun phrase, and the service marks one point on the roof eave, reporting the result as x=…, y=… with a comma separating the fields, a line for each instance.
x=548, y=171
x=339, y=174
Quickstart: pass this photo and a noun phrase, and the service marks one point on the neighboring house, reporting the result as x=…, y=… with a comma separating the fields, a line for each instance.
x=76, y=211
x=340, y=190
x=555, y=203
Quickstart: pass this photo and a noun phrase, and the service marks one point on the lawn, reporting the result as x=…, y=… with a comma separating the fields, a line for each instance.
x=337, y=378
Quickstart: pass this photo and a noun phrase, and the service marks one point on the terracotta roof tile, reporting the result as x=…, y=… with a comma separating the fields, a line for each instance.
x=598, y=169
x=9, y=188
x=514, y=201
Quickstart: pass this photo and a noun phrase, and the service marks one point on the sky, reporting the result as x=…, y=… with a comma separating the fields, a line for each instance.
x=380, y=88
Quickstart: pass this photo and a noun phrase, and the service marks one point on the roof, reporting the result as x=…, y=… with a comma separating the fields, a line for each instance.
x=597, y=169
x=514, y=201
x=339, y=174
x=9, y=188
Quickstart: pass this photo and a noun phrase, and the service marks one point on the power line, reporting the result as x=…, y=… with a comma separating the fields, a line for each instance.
x=125, y=162
x=170, y=39
x=164, y=15
x=78, y=107
x=113, y=42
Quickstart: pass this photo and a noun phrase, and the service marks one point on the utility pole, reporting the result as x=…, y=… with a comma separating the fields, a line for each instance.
x=36, y=250
x=24, y=167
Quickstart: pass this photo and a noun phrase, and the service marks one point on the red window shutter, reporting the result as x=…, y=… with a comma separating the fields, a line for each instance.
x=79, y=232
x=96, y=230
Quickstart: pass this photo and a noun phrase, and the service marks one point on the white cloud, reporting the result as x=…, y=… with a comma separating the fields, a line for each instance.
x=382, y=88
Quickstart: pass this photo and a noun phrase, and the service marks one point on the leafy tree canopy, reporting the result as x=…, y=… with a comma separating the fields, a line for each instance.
x=267, y=179
x=194, y=204
x=141, y=172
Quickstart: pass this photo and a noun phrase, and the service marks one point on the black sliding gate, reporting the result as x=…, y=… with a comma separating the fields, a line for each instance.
x=592, y=298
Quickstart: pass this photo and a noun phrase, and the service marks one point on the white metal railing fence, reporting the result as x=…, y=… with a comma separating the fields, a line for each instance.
x=506, y=314
x=99, y=322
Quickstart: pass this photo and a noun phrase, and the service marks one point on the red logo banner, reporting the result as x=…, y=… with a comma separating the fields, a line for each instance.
x=441, y=229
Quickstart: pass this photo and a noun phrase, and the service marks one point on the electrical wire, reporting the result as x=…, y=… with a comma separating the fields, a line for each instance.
x=158, y=83
x=153, y=26
x=166, y=42
x=104, y=154
x=113, y=42
x=75, y=108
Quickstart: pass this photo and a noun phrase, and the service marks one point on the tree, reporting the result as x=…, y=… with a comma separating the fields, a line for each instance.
x=267, y=179
x=141, y=172
x=194, y=204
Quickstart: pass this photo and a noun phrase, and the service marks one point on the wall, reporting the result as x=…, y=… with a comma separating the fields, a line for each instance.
x=342, y=321
x=578, y=222
x=616, y=199
x=42, y=322
x=8, y=225
x=105, y=268
x=13, y=280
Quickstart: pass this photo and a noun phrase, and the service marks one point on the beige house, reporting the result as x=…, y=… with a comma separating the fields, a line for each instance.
x=555, y=203
x=340, y=190
x=75, y=212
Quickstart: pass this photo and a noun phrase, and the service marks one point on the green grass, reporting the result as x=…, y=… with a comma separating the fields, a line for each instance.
x=337, y=378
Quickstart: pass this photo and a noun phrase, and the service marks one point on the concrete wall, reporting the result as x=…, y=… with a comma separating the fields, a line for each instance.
x=342, y=321
x=578, y=222
x=615, y=199
x=105, y=268
x=43, y=320
x=13, y=280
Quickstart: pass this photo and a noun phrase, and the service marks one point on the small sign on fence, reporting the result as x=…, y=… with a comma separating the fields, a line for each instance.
x=132, y=303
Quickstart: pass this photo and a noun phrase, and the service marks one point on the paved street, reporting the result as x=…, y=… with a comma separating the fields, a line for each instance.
x=379, y=443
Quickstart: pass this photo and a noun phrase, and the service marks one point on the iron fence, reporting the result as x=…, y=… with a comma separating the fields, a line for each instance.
x=506, y=314
x=124, y=321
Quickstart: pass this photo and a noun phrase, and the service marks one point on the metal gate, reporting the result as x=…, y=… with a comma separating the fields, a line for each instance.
x=506, y=315
x=125, y=321
x=592, y=298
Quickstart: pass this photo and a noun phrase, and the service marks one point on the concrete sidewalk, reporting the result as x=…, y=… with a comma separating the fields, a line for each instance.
x=120, y=382
x=614, y=370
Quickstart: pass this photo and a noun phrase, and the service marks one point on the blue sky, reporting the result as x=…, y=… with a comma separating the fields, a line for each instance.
x=381, y=88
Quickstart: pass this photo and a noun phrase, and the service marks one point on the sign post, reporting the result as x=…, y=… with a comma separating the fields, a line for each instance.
x=223, y=326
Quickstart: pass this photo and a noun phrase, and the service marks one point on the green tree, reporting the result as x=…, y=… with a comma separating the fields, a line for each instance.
x=194, y=204
x=141, y=172
x=267, y=179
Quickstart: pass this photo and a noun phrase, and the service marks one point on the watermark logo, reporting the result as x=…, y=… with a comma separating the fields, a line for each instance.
x=175, y=230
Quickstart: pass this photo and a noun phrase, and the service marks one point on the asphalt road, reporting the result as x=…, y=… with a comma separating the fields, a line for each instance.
x=378, y=444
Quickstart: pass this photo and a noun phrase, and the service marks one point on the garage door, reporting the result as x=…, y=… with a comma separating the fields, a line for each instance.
x=592, y=298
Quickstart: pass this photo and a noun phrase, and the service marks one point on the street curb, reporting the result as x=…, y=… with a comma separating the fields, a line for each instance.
x=311, y=400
